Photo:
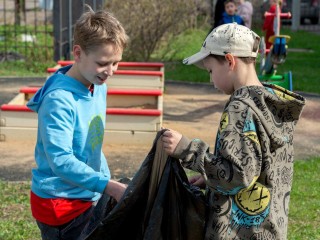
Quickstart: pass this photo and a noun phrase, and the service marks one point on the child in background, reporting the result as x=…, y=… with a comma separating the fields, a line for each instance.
x=248, y=177
x=245, y=11
x=268, y=24
x=72, y=183
x=230, y=16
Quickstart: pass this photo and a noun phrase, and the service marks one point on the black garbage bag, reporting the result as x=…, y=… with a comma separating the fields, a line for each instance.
x=159, y=203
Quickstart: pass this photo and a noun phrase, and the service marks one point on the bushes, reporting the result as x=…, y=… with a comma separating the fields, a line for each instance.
x=152, y=23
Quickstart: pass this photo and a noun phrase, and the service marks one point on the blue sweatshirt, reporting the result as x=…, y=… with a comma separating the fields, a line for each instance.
x=231, y=19
x=68, y=152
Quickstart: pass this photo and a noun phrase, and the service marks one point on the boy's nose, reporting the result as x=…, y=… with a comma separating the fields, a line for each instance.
x=109, y=70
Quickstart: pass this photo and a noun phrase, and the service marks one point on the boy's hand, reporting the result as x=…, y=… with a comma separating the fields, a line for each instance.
x=170, y=139
x=115, y=189
x=198, y=181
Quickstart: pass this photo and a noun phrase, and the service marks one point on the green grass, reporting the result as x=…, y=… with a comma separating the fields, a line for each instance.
x=304, y=65
x=23, y=69
x=16, y=221
x=36, y=55
x=304, y=209
x=185, y=45
x=40, y=49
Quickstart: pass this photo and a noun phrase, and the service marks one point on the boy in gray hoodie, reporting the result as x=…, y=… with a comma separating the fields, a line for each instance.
x=248, y=178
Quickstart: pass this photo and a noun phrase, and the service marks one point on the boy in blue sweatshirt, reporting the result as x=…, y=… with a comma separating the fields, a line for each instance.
x=72, y=179
x=230, y=16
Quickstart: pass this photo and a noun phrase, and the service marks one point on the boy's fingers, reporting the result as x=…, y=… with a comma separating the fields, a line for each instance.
x=167, y=133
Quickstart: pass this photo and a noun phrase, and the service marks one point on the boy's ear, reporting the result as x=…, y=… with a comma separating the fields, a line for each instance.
x=231, y=60
x=76, y=52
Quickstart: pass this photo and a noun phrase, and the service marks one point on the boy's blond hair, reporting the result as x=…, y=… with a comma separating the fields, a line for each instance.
x=94, y=29
x=246, y=60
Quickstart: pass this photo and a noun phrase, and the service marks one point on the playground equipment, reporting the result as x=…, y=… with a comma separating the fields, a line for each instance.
x=134, y=112
x=270, y=58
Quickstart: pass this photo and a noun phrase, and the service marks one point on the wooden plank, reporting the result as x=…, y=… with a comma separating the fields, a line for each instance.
x=154, y=80
x=110, y=136
x=135, y=81
x=129, y=137
x=122, y=91
x=116, y=119
x=151, y=66
x=151, y=81
x=143, y=98
x=126, y=66
x=18, y=133
x=19, y=99
x=18, y=119
x=144, y=66
x=125, y=101
x=117, y=101
x=133, y=123
x=114, y=111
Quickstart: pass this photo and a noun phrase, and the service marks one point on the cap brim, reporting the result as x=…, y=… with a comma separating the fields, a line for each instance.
x=196, y=59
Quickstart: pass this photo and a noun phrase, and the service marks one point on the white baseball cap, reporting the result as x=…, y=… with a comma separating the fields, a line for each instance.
x=232, y=38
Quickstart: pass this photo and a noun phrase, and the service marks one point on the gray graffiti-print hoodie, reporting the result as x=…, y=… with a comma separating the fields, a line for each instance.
x=249, y=175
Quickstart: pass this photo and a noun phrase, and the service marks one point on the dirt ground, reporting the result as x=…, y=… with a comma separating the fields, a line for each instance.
x=193, y=109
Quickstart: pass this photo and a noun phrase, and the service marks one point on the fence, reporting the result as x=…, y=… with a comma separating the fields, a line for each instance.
x=24, y=27
x=65, y=14
x=39, y=29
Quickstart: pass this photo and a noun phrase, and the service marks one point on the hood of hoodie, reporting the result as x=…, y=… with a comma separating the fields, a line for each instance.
x=278, y=109
x=59, y=81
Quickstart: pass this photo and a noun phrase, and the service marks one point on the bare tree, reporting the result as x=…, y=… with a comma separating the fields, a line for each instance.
x=150, y=22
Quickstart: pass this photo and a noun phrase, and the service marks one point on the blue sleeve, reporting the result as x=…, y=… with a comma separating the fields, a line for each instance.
x=56, y=126
x=240, y=20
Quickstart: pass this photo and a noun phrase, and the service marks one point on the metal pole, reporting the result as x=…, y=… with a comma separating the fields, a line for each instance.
x=5, y=32
x=276, y=20
x=295, y=15
x=70, y=29
x=60, y=27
